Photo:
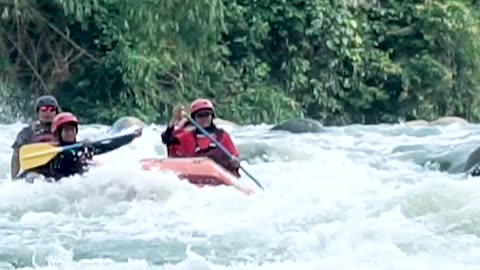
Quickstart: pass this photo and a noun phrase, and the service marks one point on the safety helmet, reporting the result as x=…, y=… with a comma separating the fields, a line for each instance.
x=46, y=101
x=201, y=104
x=62, y=119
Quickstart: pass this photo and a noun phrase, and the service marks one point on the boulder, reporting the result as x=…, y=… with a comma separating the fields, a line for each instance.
x=124, y=123
x=300, y=125
x=448, y=120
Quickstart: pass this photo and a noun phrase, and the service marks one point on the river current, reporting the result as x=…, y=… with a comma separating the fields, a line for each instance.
x=383, y=197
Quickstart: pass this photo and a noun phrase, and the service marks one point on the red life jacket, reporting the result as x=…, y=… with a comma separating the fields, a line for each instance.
x=198, y=145
x=182, y=127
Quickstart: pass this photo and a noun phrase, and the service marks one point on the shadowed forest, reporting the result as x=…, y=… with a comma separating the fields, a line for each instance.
x=339, y=62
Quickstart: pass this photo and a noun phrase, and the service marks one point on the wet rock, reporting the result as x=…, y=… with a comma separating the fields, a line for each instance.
x=417, y=123
x=300, y=125
x=222, y=123
x=448, y=120
x=124, y=123
x=472, y=161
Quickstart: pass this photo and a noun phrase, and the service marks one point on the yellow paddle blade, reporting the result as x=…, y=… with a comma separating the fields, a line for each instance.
x=37, y=154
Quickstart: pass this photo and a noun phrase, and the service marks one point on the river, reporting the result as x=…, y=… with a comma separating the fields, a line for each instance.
x=354, y=197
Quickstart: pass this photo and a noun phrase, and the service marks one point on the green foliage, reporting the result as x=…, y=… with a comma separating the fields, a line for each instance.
x=435, y=50
x=9, y=105
x=259, y=61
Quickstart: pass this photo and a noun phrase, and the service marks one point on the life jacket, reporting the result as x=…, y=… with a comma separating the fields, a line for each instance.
x=183, y=126
x=41, y=133
x=204, y=147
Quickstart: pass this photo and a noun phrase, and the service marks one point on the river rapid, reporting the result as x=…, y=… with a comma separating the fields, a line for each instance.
x=357, y=197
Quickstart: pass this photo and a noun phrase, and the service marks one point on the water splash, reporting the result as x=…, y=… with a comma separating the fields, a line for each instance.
x=343, y=199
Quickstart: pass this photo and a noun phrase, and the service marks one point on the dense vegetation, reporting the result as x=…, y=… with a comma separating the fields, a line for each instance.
x=337, y=61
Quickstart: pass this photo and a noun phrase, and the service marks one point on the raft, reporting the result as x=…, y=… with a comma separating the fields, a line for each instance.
x=198, y=171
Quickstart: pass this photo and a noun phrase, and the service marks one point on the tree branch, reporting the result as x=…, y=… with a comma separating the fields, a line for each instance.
x=34, y=70
x=73, y=43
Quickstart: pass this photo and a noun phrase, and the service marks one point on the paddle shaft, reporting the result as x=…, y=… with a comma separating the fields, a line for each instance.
x=52, y=151
x=224, y=150
x=81, y=144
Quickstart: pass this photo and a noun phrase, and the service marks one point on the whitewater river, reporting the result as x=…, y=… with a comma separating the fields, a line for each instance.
x=356, y=197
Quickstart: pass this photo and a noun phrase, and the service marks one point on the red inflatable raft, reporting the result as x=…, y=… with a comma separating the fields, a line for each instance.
x=198, y=171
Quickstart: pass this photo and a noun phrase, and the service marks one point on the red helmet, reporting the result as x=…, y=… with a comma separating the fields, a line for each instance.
x=201, y=104
x=62, y=119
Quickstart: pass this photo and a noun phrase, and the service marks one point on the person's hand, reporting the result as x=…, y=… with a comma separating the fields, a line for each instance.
x=137, y=133
x=87, y=142
x=178, y=113
x=235, y=162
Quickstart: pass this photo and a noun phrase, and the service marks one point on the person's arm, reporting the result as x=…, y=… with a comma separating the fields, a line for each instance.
x=14, y=163
x=168, y=138
x=21, y=139
x=228, y=144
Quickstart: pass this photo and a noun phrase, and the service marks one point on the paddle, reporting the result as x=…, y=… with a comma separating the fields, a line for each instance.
x=472, y=169
x=38, y=154
x=224, y=150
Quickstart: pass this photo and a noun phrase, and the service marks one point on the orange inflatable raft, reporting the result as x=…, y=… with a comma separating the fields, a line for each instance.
x=198, y=171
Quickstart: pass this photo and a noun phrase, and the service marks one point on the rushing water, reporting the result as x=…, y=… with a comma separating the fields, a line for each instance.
x=355, y=197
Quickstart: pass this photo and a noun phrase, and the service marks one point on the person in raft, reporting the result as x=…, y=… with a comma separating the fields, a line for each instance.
x=74, y=161
x=190, y=142
x=46, y=108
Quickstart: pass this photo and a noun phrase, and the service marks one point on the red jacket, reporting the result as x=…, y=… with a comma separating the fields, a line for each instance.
x=198, y=145
x=169, y=137
x=172, y=149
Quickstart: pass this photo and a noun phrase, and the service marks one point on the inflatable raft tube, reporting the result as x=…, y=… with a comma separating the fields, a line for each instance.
x=198, y=171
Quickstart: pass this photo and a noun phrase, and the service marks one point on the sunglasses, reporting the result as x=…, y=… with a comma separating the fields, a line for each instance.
x=203, y=114
x=48, y=109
